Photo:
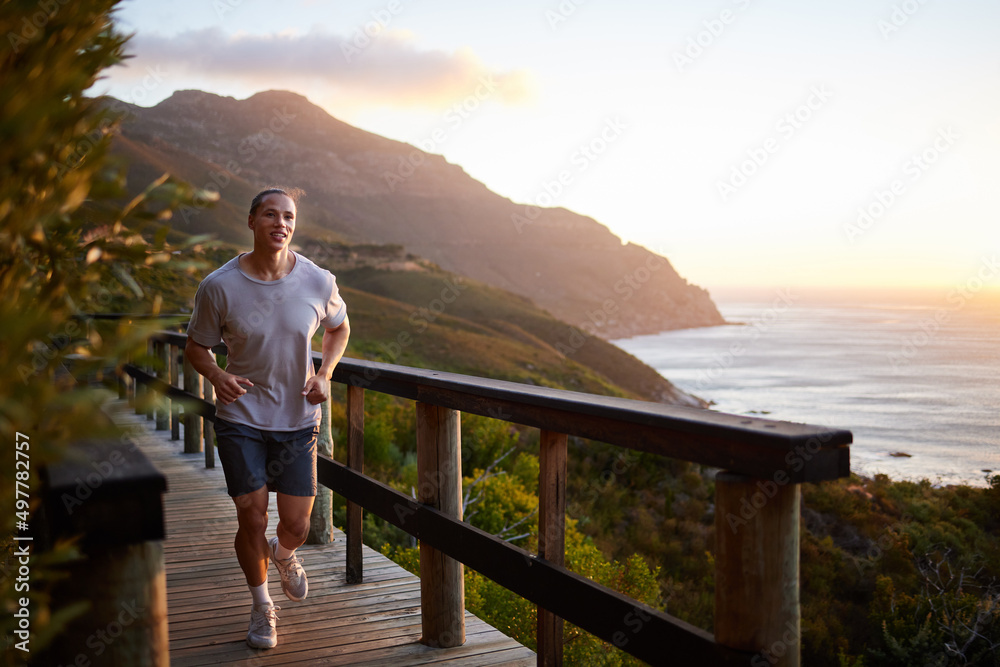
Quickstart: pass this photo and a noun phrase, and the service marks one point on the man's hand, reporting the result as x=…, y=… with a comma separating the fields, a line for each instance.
x=228, y=387
x=317, y=389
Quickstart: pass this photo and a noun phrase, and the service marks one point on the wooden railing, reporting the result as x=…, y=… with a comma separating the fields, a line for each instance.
x=762, y=463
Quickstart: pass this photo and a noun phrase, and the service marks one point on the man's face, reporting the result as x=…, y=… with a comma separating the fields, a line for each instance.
x=274, y=222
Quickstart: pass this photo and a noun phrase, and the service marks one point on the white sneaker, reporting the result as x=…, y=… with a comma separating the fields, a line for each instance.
x=262, y=633
x=293, y=575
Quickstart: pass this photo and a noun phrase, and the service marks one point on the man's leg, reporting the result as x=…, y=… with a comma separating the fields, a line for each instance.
x=252, y=552
x=251, y=543
x=293, y=528
x=292, y=464
x=243, y=454
x=293, y=519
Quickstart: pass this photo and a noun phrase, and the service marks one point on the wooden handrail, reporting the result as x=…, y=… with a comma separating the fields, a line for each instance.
x=757, y=499
x=761, y=448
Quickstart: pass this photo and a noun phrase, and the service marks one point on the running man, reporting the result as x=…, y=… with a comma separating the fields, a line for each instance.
x=266, y=305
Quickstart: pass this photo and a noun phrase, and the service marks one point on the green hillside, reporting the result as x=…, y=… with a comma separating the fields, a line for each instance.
x=520, y=342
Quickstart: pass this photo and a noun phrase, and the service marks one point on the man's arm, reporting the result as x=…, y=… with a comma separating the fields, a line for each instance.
x=227, y=386
x=317, y=387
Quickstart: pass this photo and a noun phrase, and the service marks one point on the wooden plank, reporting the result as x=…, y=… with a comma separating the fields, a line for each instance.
x=419, y=384
x=800, y=458
x=759, y=447
x=377, y=621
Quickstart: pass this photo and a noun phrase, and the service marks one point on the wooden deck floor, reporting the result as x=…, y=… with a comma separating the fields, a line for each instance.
x=373, y=623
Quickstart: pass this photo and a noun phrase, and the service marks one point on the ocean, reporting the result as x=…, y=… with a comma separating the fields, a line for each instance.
x=915, y=380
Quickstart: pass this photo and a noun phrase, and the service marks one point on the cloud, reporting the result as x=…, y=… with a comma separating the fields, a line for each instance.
x=387, y=69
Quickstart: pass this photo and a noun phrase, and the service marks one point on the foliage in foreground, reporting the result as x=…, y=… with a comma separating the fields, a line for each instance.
x=68, y=246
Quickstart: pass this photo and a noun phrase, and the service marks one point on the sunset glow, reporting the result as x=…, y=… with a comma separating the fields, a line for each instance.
x=774, y=144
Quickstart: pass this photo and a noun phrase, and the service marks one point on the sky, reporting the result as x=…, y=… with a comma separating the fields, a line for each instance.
x=755, y=143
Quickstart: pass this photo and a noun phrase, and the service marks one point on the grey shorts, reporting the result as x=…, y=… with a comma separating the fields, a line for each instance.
x=285, y=461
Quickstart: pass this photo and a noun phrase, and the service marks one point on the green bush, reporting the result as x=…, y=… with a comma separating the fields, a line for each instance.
x=69, y=242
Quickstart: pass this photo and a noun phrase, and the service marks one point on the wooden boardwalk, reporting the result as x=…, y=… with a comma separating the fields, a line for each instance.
x=208, y=604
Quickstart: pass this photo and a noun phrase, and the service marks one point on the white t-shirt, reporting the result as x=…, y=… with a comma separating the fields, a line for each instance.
x=268, y=327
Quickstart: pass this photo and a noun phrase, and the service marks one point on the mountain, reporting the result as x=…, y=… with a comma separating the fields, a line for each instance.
x=363, y=188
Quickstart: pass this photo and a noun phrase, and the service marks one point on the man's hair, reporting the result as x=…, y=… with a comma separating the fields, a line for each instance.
x=295, y=194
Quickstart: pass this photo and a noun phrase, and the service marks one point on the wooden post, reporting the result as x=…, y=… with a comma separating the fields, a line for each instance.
x=150, y=402
x=439, y=476
x=175, y=407
x=356, y=462
x=551, y=535
x=129, y=382
x=757, y=567
x=321, y=519
x=207, y=426
x=163, y=373
x=138, y=391
x=119, y=529
x=192, y=421
x=126, y=586
x=122, y=386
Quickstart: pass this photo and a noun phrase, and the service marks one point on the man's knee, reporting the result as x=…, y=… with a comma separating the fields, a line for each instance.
x=293, y=512
x=251, y=511
x=297, y=526
x=253, y=522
